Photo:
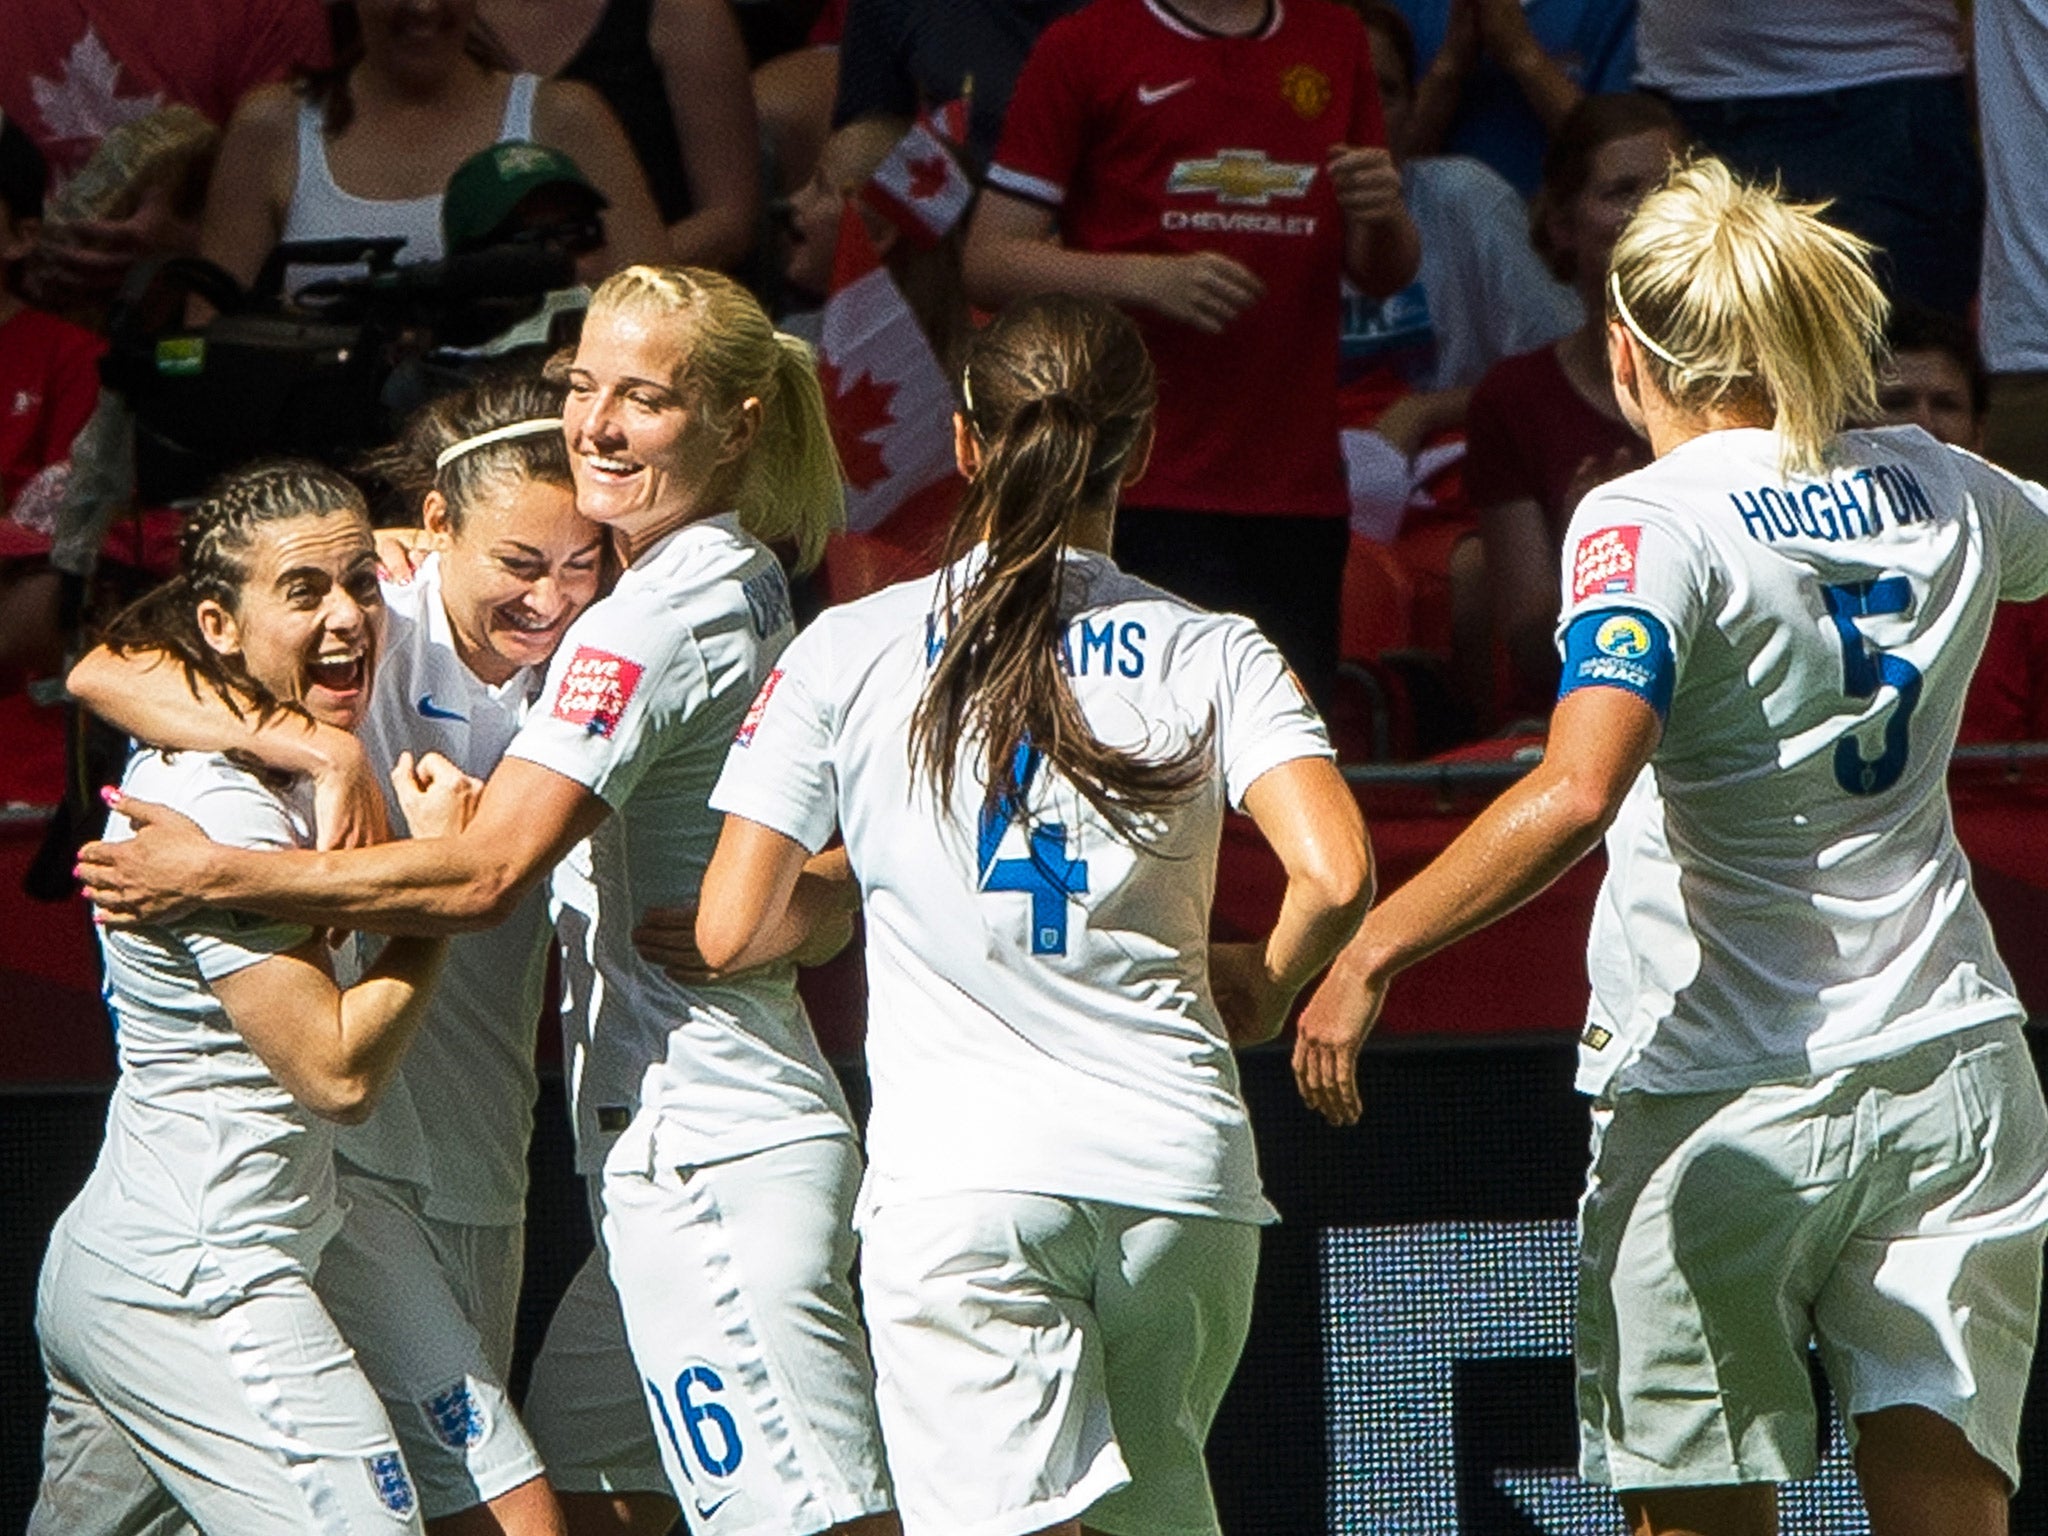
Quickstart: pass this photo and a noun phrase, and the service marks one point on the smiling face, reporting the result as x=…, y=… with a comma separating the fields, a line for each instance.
x=306, y=623
x=516, y=572
x=646, y=456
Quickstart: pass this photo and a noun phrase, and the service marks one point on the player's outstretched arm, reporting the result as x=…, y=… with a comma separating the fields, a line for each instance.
x=1310, y=819
x=526, y=820
x=1600, y=739
x=148, y=695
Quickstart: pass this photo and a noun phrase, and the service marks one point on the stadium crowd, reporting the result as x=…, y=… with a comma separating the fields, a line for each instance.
x=784, y=463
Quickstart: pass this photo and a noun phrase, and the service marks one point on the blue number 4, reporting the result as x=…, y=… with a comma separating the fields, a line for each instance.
x=1864, y=670
x=1048, y=876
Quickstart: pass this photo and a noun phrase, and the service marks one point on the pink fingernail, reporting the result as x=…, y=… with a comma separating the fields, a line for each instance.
x=110, y=795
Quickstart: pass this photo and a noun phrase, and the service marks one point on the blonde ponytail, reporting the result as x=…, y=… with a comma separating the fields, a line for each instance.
x=793, y=491
x=1744, y=302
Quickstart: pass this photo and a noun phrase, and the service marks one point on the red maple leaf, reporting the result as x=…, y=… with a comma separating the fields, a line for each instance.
x=928, y=177
x=860, y=414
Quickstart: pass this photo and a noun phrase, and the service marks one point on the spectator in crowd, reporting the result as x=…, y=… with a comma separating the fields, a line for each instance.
x=675, y=73
x=74, y=69
x=1543, y=428
x=366, y=148
x=793, y=96
x=910, y=56
x=1936, y=381
x=1501, y=75
x=928, y=274
x=1214, y=168
x=1410, y=361
x=1865, y=106
x=2011, y=61
x=48, y=383
x=1481, y=293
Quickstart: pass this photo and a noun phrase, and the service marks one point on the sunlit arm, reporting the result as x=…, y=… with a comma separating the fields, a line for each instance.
x=1600, y=740
x=527, y=819
x=765, y=898
x=333, y=1050
x=1310, y=819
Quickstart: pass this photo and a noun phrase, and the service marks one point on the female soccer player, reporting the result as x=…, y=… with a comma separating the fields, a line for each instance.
x=423, y=1278
x=1814, y=1116
x=1030, y=755
x=727, y=1150
x=180, y=1330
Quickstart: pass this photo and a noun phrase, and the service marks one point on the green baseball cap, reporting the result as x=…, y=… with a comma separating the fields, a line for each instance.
x=488, y=188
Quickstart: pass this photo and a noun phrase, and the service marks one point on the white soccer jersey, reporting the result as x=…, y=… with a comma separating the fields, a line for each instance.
x=1039, y=1018
x=640, y=704
x=1784, y=893
x=457, y=1117
x=206, y=1157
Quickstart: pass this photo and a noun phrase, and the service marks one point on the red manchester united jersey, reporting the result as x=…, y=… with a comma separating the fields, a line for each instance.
x=1148, y=134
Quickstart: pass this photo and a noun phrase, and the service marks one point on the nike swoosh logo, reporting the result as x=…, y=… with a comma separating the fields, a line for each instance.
x=706, y=1511
x=1152, y=95
x=434, y=711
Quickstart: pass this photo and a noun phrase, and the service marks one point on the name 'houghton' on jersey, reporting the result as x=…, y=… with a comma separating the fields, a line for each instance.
x=1785, y=894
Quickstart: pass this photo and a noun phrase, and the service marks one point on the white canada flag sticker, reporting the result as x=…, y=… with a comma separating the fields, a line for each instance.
x=1605, y=562
x=596, y=688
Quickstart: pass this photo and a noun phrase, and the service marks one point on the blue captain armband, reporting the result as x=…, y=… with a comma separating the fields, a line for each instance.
x=1620, y=648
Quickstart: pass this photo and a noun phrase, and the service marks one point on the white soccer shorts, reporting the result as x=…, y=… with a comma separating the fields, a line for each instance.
x=585, y=1407
x=1892, y=1211
x=1040, y=1359
x=244, y=1405
x=431, y=1308
x=735, y=1280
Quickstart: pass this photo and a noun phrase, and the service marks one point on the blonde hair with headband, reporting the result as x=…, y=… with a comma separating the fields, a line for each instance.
x=1745, y=302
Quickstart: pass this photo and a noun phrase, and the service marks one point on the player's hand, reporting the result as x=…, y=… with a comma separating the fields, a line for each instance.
x=1504, y=32
x=1367, y=183
x=1204, y=289
x=348, y=803
x=401, y=551
x=1327, y=1038
x=1253, y=1008
x=667, y=940
x=150, y=877
x=436, y=797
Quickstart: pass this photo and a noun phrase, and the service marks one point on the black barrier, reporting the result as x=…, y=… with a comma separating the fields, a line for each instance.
x=1409, y=1363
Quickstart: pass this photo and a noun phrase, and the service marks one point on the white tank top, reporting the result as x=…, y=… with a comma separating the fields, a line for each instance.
x=321, y=210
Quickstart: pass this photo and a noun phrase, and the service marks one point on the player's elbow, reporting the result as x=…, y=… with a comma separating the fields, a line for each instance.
x=489, y=896
x=345, y=1098
x=722, y=936
x=1339, y=878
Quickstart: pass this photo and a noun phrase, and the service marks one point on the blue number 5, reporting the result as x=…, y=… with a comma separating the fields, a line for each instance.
x=1048, y=876
x=1864, y=670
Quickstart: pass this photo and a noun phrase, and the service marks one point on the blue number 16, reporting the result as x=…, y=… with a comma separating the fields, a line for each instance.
x=1864, y=670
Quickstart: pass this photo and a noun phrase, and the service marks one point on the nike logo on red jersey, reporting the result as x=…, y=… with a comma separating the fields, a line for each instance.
x=1152, y=95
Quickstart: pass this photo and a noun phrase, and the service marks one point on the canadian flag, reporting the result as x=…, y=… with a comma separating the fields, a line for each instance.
x=891, y=408
x=920, y=188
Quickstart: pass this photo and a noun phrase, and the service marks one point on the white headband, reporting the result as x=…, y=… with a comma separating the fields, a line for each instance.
x=526, y=428
x=1629, y=320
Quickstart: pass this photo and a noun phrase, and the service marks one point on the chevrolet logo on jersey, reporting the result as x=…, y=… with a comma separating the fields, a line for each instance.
x=1242, y=177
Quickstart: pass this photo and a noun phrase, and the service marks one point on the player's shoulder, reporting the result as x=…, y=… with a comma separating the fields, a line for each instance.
x=243, y=806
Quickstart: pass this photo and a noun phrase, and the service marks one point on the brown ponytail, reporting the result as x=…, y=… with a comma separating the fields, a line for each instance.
x=1059, y=392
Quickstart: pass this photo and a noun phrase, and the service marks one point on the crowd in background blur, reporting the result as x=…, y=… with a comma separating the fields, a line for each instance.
x=1380, y=331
